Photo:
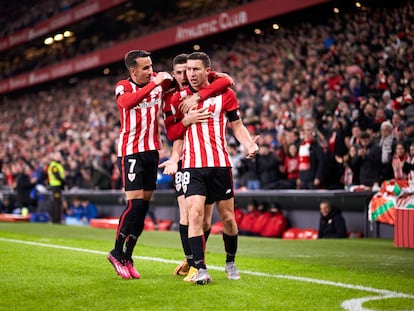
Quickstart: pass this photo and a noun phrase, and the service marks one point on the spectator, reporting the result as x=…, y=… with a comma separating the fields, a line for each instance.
x=238, y=214
x=331, y=223
x=354, y=139
x=73, y=209
x=249, y=218
x=102, y=166
x=88, y=212
x=290, y=168
x=252, y=175
x=351, y=171
x=7, y=205
x=386, y=143
x=237, y=168
x=397, y=123
x=408, y=167
x=408, y=134
x=366, y=119
x=74, y=176
x=261, y=220
x=267, y=167
x=398, y=160
x=335, y=153
x=368, y=161
x=25, y=183
x=276, y=224
x=311, y=160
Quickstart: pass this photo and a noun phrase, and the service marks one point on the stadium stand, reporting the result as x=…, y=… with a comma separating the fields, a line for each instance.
x=287, y=69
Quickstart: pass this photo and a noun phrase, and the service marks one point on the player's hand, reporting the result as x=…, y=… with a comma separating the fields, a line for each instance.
x=170, y=167
x=161, y=76
x=189, y=102
x=197, y=116
x=252, y=148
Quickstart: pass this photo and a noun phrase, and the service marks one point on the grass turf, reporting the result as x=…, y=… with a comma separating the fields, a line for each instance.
x=276, y=274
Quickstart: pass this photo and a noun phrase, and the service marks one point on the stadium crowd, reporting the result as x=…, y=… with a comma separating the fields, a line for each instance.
x=128, y=21
x=17, y=18
x=352, y=76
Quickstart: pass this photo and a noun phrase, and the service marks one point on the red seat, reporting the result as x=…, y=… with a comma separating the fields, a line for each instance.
x=291, y=234
x=164, y=225
x=149, y=224
x=104, y=223
x=308, y=234
x=217, y=228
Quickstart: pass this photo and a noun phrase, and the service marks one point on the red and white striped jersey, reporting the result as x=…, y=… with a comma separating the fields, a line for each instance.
x=205, y=143
x=138, y=114
x=175, y=129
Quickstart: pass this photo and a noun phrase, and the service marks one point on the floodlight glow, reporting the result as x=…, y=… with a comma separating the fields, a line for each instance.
x=48, y=41
x=58, y=37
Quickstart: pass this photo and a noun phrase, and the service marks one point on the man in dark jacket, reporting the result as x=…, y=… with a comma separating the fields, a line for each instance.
x=332, y=223
x=24, y=185
x=267, y=167
x=368, y=160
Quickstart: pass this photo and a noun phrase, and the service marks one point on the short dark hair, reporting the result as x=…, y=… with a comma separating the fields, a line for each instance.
x=131, y=56
x=201, y=56
x=180, y=59
x=364, y=135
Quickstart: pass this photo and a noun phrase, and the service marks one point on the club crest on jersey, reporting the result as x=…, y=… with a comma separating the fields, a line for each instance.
x=212, y=108
x=178, y=187
x=185, y=188
x=131, y=176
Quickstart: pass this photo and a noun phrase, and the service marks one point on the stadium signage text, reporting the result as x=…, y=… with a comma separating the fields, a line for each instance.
x=35, y=78
x=88, y=62
x=224, y=21
x=61, y=70
x=89, y=8
x=18, y=82
x=37, y=32
x=61, y=21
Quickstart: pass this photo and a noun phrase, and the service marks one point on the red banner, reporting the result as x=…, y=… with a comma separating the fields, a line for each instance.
x=69, y=17
x=240, y=16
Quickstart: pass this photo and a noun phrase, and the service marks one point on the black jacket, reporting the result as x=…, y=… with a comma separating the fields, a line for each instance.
x=332, y=226
x=23, y=188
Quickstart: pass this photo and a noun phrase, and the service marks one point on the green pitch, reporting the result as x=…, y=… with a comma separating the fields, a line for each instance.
x=50, y=267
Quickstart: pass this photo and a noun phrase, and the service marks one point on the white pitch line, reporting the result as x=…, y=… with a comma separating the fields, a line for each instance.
x=351, y=304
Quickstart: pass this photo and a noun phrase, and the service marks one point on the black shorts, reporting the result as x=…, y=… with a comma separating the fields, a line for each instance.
x=139, y=170
x=177, y=180
x=215, y=183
